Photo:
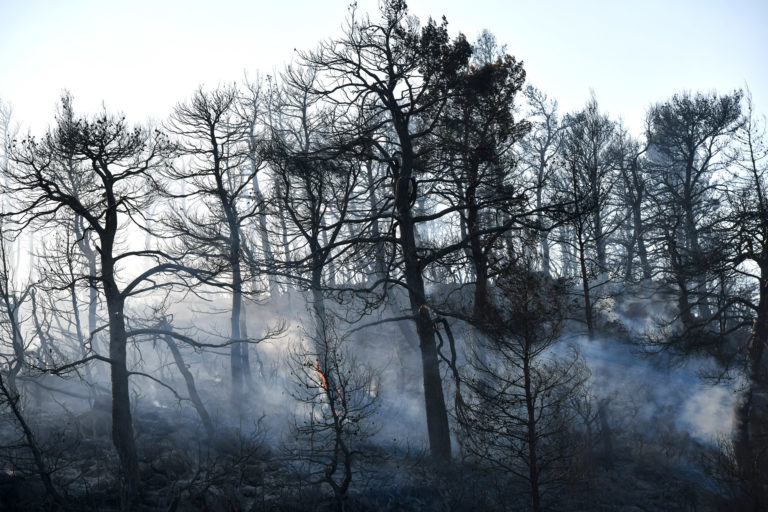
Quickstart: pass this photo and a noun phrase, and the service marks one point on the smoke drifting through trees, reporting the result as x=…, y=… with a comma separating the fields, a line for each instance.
x=283, y=268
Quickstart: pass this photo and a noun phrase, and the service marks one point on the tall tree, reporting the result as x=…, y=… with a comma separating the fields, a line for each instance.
x=113, y=164
x=475, y=163
x=587, y=182
x=219, y=176
x=748, y=226
x=320, y=193
x=540, y=150
x=686, y=137
x=401, y=76
x=632, y=192
x=255, y=103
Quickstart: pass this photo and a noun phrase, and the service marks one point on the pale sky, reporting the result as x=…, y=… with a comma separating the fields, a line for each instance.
x=141, y=57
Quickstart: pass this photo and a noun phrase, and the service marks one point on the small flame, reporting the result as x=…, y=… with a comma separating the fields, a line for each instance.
x=323, y=382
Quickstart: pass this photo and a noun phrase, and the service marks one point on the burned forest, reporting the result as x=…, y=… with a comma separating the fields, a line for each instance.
x=391, y=276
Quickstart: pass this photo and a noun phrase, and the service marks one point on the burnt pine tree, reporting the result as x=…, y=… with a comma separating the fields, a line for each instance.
x=214, y=136
x=540, y=149
x=401, y=76
x=632, y=194
x=686, y=138
x=474, y=141
x=114, y=163
x=748, y=200
x=590, y=154
x=319, y=188
x=586, y=182
x=254, y=106
x=516, y=411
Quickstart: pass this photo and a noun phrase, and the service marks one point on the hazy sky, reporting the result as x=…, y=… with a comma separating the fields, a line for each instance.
x=143, y=56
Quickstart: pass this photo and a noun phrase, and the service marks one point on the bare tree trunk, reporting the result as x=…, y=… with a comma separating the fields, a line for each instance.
x=266, y=245
x=318, y=306
x=751, y=425
x=380, y=265
x=236, y=352
x=640, y=240
x=93, y=291
x=328, y=261
x=683, y=303
x=437, y=416
x=283, y=227
x=543, y=234
x=702, y=301
x=479, y=259
x=585, y=281
x=629, y=259
x=122, y=422
x=82, y=341
x=12, y=307
x=597, y=220
x=567, y=255
x=530, y=406
x=248, y=374
x=190, y=382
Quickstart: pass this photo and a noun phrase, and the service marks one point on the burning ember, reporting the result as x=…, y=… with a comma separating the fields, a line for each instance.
x=323, y=380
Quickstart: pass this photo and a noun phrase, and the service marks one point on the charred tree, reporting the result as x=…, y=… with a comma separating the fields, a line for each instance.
x=748, y=200
x=215, y=137
x=399, y=76
x=475, y=170
x=687, y=136
x=114, y=165
x=517, y=412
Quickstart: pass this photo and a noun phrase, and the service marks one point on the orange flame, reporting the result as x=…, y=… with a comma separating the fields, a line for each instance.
x=323, y=382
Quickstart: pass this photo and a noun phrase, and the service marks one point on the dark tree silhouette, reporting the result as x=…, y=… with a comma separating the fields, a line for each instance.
x=686, y=137
x=100, y=170
x=517, y=410
x=474, y=170
x=400, y=77
x=540, y=150
x=586, y=185
x=219, y=177
x=747, y=197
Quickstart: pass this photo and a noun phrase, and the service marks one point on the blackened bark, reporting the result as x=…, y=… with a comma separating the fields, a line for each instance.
x=639, y=234
x=318, y=305
x=380, y=265
x=194, y=396
x=236, y=350
x=122, y=422
x=437, y=415
x=479, y=258
x=597, y=216
x=530, y=406
x=750, y=425
x=585, y=280
x=543, y=234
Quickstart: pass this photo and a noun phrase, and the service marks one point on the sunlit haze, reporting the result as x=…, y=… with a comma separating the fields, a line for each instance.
x=142, y=57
